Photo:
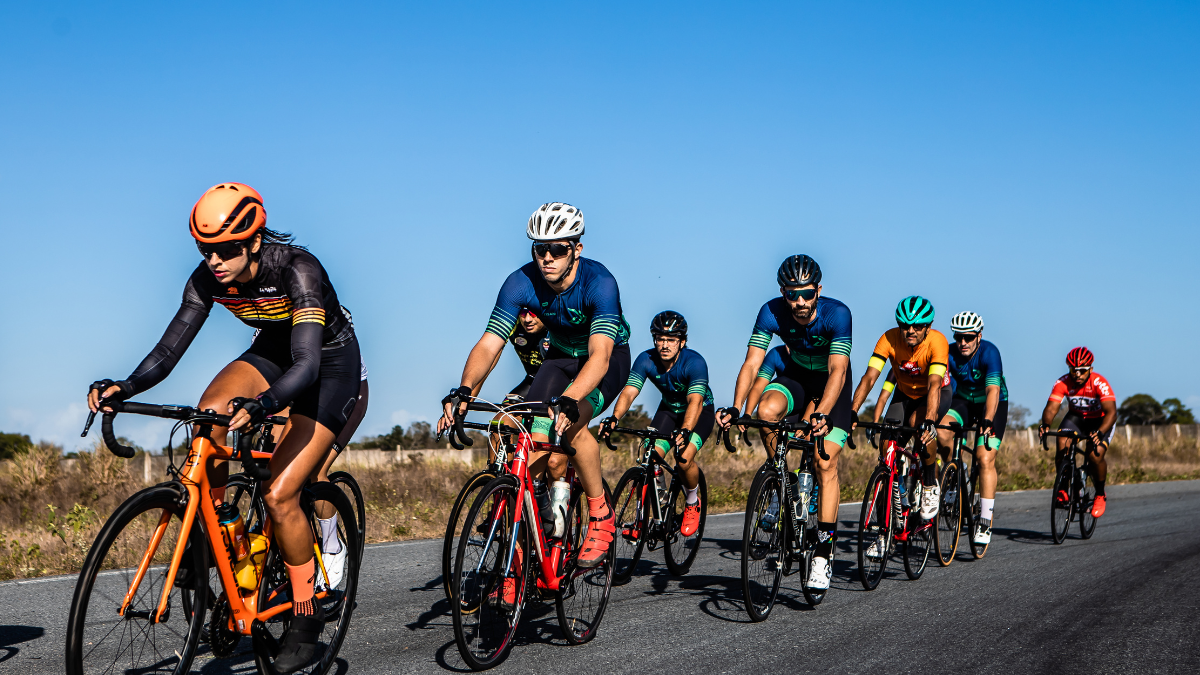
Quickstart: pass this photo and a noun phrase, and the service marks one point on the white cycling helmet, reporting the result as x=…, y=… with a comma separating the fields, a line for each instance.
x=555, y=221
x=966, y=322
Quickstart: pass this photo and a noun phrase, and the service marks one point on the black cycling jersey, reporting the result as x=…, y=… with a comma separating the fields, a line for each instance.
x=530, y=348
x=290, y=299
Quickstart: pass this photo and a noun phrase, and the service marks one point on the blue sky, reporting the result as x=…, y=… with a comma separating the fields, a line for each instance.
x=1036, y=164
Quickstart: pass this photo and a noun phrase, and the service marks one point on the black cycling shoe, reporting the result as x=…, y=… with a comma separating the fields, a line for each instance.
x=300, y=642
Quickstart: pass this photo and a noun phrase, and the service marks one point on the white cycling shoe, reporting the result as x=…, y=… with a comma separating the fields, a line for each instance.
x=983, y=535
x=335, y=566
x=931, y=499
x=875, y=550
x=819, y=574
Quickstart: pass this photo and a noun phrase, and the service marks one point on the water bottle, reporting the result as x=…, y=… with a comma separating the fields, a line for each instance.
x=814, y=500
x=898, y=496
x=545, y=510
x=560, y=496
x=233, y=531
x=804, y=493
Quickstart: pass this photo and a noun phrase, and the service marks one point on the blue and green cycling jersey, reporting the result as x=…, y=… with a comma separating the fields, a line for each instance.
x=689, y=375
x=972, y=376
x=591, y=306
x=810, y=345
x=775, y=362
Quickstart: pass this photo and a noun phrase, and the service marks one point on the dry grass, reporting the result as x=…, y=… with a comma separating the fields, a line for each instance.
x=49, y=517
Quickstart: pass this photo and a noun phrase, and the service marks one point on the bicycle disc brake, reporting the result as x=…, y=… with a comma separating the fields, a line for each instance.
x=222, y=639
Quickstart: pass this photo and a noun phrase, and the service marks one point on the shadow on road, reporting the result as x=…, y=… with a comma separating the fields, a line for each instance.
x=427, y=619
x=11, y=635
x=1024, y=536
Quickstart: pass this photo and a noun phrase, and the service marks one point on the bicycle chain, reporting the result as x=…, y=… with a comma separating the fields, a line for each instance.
x=222, y=640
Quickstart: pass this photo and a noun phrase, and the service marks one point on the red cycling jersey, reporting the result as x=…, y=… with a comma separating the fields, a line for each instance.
x=1084, y=400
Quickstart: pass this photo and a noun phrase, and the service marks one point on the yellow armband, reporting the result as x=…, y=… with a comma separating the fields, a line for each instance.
x=876, y=362
x=888, y=386
x=938, y=369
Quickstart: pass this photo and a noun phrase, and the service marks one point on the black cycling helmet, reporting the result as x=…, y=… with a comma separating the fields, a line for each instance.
x=670, y=324
x=799, y=270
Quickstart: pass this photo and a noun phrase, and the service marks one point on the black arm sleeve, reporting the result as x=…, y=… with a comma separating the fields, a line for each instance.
x=304, y=283
x=193, y=311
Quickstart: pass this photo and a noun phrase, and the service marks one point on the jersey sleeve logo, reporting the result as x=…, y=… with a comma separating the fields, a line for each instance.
x=819, y=341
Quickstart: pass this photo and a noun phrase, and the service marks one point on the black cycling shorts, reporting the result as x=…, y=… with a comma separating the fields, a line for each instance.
x=332, y=398
x=1075, y=422
x=520, y=391
x=902, y=407
x=667, y=421
x=969, y=413
x=356, y=418
x=559, y=370
x=802, y=385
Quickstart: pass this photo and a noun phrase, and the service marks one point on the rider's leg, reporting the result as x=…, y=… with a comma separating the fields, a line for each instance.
x=238, y=379
x=774, y=405
x=1099, y=466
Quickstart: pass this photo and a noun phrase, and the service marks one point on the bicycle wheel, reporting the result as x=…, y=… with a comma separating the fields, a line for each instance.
x=874, y=531
x=814, y=597
x=975, y=511
x=630, y=517
x=582, y=593
x=1062, y=502
x=337, y=578
x=763, y=545
x=949, y=518
x=454, y=525
x=916, y=547
x=1087, y=496
x=102, y=637
x=681, y=550
x=348, y=485
x=483, y=626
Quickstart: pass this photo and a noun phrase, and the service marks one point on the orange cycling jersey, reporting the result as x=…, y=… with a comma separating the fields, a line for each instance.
x=912, y=367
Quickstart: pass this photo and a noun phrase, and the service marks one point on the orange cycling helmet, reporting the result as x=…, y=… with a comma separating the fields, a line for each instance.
x=1080, y=357
x=228, y=212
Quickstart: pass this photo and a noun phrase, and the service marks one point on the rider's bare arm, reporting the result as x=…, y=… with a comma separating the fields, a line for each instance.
x=484, y=356
x=746, y=377
x=1110, y=417
x=865, y=385
x=934, y=398
x=600, y=348
x=628, y=394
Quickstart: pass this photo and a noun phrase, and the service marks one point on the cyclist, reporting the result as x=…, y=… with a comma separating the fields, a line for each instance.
x=774, y=362
x=530, y=342
x=817, y=332
x=1092, y=410
x=980, y=396
x=307, y=357
x=588, y=360
x=919, y=355
x=686, y=409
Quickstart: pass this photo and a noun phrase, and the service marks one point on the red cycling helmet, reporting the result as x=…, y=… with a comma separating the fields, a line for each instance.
x=1080, y=357
x=228, y=212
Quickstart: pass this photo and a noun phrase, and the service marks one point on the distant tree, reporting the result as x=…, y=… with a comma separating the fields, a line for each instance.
x=13, y=444
x=419, y=436
x=867, y=414
x=1018, y=415
x=635, y=418
x=1177, y=413
x=1140, y=409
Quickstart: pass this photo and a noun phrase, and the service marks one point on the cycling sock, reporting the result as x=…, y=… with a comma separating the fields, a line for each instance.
x=693, y=495
x=929, y=475
x=302, y=577
x=986, y=506
x=598, y=507
x=329, y=540
x=1099, y=487
x=826, y=537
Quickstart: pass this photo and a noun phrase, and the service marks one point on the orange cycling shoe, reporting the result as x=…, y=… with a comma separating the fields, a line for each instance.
x=1098, y=506
x=505, y=596
x=1062, y=497
x=601, y=529
x=691, y=520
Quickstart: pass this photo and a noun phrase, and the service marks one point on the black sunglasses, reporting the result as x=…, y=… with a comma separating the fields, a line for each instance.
x=795, y=294
x=906, y=326
x=555, y=250
x=227, y=250
x=965, y=337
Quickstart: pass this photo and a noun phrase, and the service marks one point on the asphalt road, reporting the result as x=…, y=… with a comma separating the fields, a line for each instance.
x=1125, y=601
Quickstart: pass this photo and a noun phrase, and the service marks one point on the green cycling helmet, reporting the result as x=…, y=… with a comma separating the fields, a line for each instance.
x=914, y=309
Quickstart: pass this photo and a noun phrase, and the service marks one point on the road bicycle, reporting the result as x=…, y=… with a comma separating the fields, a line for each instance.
x=502, y=539
x=779, y=537
x=891, y=507
x=649, y=505
x=960, y=507
x=1073, y=492
x=141, y=598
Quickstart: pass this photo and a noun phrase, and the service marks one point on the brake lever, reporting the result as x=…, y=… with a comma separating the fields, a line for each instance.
x=87, y=426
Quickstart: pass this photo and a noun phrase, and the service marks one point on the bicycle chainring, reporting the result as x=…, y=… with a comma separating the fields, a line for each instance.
x=222, y=639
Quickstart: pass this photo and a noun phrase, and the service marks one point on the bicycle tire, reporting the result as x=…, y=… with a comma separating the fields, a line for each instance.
x=1087, y=496
x=478, y=570
x=117, y=550
x=976, y=513
x=813, y=596
x=680, y=550
x=630, y=513
x=1062, y=512
x=874, y=525
x=583, y=594
x=462, y=503
x=916, y=547
x=950, y=514
x=354, y=493
x=339, y=603
x=763, y=545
